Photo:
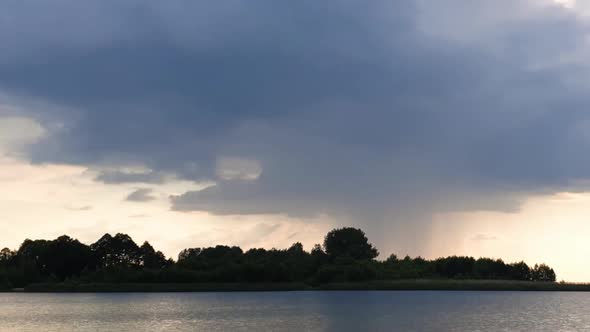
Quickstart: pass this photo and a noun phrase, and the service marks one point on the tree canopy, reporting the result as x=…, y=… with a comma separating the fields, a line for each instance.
x=346, y=256
x=349, y=242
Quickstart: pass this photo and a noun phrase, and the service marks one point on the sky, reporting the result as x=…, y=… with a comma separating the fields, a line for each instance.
x=440, y=128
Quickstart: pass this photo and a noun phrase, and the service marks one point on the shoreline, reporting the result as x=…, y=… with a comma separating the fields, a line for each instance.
x=391, y=285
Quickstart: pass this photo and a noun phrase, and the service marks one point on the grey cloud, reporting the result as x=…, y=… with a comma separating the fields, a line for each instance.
x=382, y=112
x=118, y=177
x=141, y=195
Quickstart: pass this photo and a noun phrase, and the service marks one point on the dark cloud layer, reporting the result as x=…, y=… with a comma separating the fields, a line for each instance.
x=361, y=110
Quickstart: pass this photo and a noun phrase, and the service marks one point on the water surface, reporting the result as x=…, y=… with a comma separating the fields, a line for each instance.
x=297, y=311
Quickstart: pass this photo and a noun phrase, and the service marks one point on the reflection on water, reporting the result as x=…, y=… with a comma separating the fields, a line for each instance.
x=297, y=311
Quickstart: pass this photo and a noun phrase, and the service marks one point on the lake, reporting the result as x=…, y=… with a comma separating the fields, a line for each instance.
x=297, y=311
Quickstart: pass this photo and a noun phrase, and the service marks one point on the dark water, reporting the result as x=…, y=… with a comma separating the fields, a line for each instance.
x=297, y=311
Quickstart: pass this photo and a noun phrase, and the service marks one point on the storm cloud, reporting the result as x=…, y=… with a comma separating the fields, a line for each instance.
x=381, y=110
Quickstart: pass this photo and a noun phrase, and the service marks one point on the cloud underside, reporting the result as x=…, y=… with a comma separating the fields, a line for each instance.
x=353, y=110
x=141, y=195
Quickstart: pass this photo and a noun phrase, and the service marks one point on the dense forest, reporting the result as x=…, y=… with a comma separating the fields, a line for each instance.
x=345, y=256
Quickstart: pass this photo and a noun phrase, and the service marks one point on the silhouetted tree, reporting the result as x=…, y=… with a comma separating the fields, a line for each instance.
x=347, y=256
x=349, y=242
x=296, y=248
x=187, y=254
x=519, y=271
x=392, y=259
x=6, y=256
x=219, y=263
x=35, y=254
x=317, y=250
x=119, y=250
x=455, y=266
x=486, y=268
x=542, y=273
x=150, y=258
x=67, y=257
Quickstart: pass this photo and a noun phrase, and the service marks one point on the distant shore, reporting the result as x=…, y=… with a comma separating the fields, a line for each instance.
x=393, y=285
x=345, y=261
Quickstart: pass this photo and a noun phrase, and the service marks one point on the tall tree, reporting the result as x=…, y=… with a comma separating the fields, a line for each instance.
x=349, y=242
x=150, y=258
x=542, y=273
x=119, y=250
x=67, y=257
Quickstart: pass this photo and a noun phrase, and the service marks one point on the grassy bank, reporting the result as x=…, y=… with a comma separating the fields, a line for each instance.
x=165, y=287
x=458, y=285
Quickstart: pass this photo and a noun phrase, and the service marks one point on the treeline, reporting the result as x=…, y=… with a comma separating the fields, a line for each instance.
x=345, y=256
